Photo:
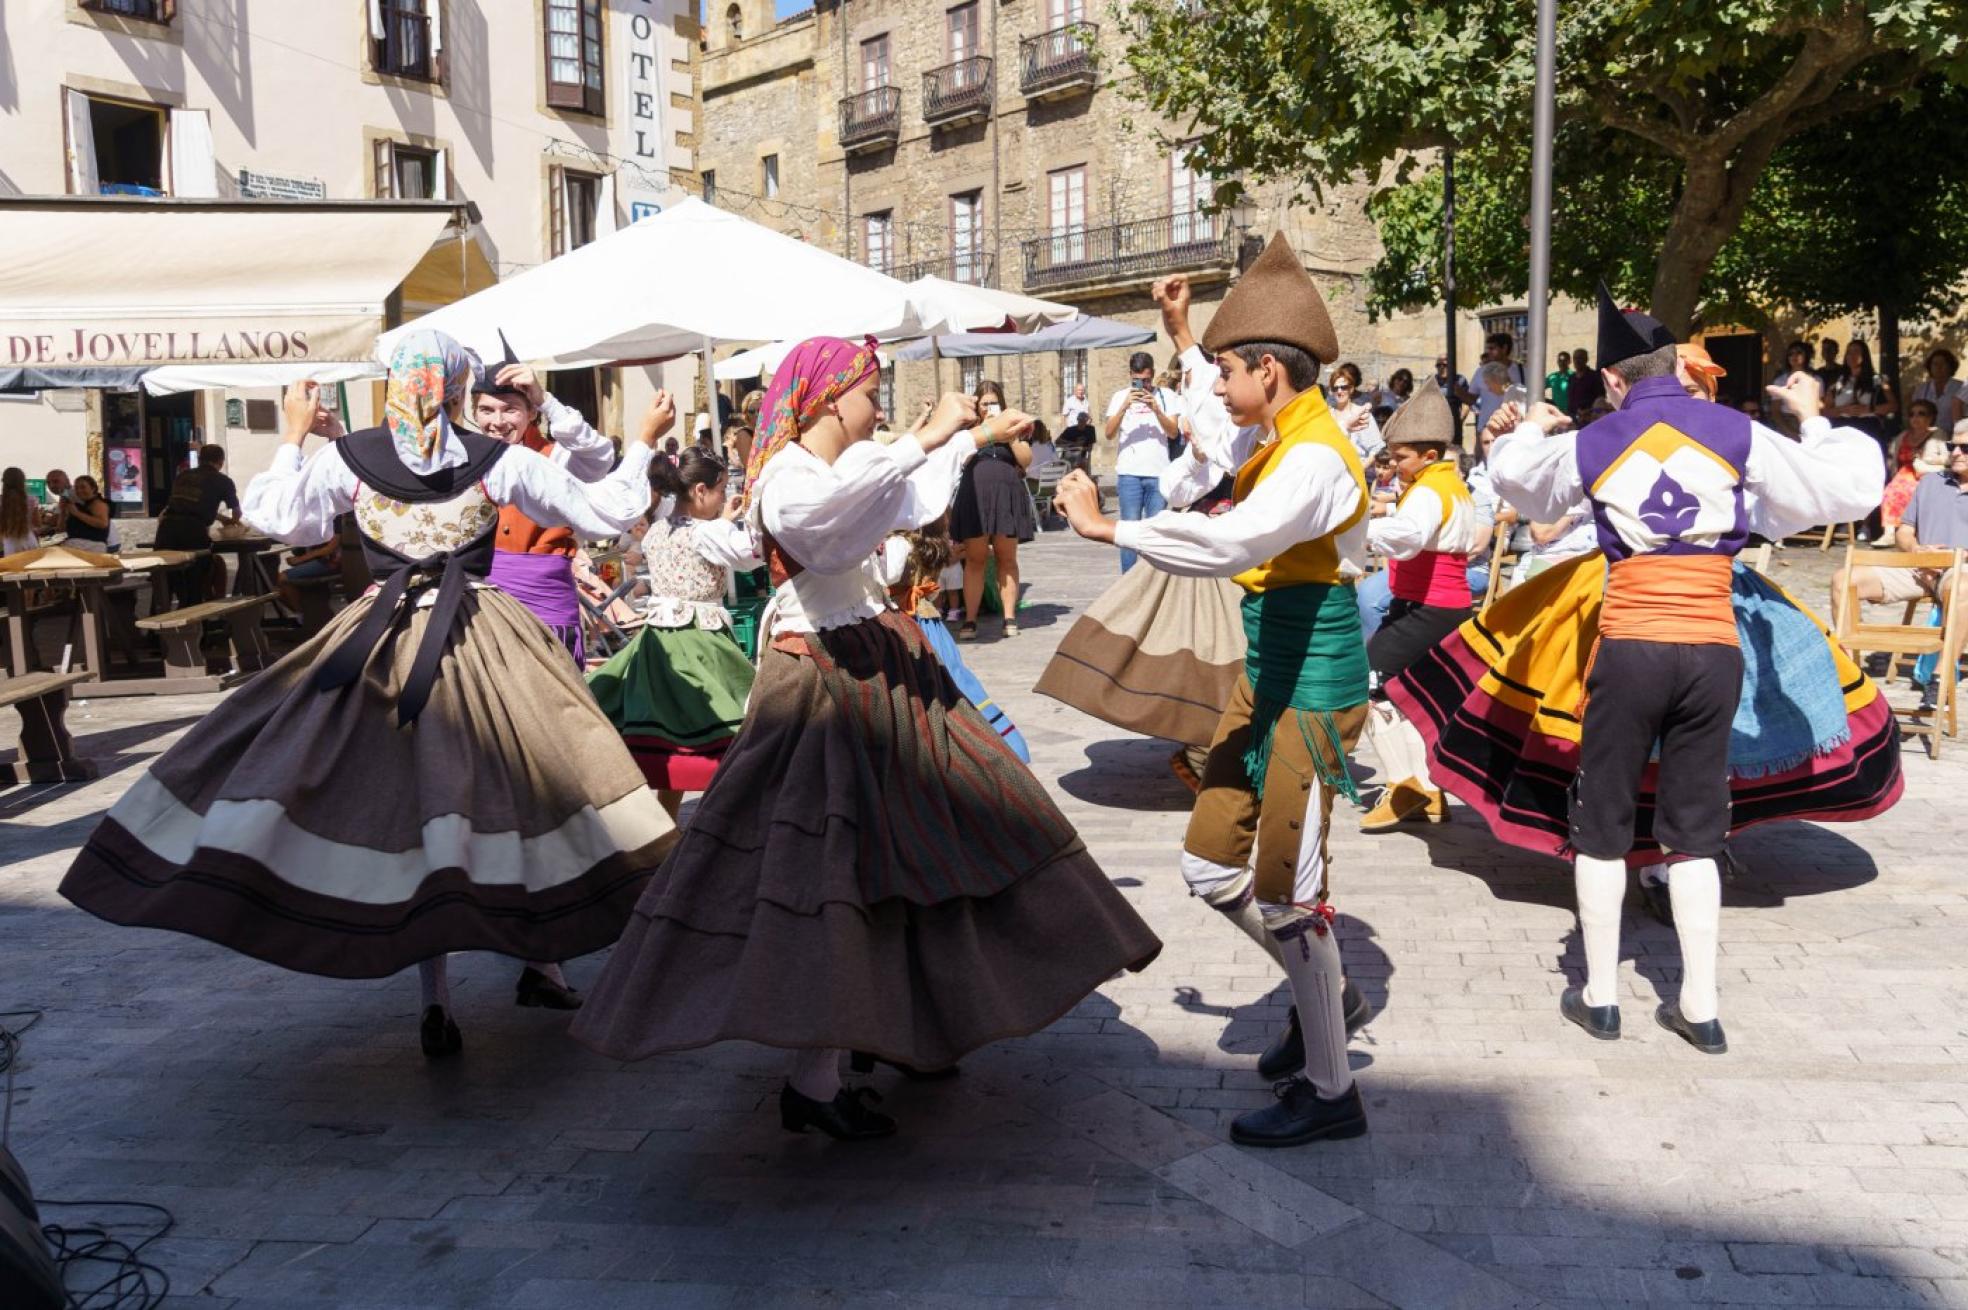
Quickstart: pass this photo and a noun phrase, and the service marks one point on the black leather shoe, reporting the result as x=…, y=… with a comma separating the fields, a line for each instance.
x=1601, y=1021
x=1301, y=1115
x=1285, y=1057
x=845, y=1118
x=1654, y=899
x=865, y=1062
x=439, y=1034
x=1705, y=1037
x=538, y=990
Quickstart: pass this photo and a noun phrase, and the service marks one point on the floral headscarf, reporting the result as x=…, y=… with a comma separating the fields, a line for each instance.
x=814, y=374
x=427, y=374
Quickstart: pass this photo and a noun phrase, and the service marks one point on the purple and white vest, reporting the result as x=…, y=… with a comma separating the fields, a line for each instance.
x=1665, y=474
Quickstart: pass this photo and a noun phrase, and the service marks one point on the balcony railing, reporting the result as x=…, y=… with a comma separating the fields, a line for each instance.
x=1129, y=252
x=957, y=93
x=978, y=269
x=871, y=120
x=1061, y=62
x=403, y=50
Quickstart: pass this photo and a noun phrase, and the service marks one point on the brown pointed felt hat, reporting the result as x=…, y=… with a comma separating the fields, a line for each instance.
x=1423, y=419
x=1275, y=300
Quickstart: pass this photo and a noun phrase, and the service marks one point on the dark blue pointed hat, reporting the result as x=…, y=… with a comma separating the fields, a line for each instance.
x=1626, y=333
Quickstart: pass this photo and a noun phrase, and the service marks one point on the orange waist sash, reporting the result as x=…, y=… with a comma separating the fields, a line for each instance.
x=1673, y=598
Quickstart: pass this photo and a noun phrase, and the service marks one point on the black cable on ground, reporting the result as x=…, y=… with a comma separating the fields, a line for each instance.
x=133, y=1283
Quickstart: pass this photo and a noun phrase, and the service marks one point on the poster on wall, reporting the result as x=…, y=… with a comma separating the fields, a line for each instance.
x=125, y=475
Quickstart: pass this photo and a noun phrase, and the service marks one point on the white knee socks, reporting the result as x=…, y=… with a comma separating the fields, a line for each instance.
x=1403, y=755
x=1241, y=910
x=816, y=1075
x=1601, y=886
x=435, y=978
x=1695, y=889
x=1311, y=960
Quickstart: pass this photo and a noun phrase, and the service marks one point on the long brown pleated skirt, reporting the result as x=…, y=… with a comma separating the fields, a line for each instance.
x=307, y=829
x=872, y=869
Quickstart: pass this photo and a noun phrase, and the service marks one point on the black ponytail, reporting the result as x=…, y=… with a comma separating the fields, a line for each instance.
x=693, y=468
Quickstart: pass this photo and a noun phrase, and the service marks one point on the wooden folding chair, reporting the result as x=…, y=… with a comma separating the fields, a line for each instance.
x=1851, y=631
x=1500, y=559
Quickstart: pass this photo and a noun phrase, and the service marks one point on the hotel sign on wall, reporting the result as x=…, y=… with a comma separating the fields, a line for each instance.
x=643, y=184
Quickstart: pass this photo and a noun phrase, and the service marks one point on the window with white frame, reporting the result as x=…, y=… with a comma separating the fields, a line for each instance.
x=961, y=25
x=1066, y=209
x=970, y=372
x=574, y=51
x=577, y=208
x=1189, y=192
x=967, y=238
x=769, y=177
x=1060, y=13
x=874, y=62
x=878, y=240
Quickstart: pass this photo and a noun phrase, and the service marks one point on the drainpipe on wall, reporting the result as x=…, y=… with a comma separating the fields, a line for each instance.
x=847, y=178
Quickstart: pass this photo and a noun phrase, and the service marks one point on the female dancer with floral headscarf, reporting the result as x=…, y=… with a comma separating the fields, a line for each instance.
x=381, y=796
x=871, y=869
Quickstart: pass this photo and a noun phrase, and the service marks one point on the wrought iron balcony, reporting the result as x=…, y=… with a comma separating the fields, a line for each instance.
x=1059, y=63
x=978, y=268
x=871, y=120
x=1130, y=253
x=957, y=93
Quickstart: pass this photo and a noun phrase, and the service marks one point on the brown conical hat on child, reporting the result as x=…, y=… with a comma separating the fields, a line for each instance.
x=1424, y=419
x=1275, y=300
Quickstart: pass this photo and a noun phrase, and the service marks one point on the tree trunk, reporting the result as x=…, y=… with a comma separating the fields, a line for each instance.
x=1714, y=192
x=1889, y=352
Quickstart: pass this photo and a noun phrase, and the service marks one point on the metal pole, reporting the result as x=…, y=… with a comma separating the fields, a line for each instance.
x=1449, y=261
x=1541, y=131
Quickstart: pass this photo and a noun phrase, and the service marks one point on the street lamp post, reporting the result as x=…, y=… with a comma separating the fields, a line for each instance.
x=1541, y=133
x=1449, y=259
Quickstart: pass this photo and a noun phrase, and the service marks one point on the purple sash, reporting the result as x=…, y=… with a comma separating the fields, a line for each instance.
x=545, y=585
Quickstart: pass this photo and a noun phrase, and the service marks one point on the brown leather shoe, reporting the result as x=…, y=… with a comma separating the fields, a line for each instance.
x=1406, y=801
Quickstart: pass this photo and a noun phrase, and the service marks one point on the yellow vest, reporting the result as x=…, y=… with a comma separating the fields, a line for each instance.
x=1445, y=481
x=1304, y=422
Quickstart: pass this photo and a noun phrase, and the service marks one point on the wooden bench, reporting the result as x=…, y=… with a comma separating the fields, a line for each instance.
x=182, y=632
x=45, y=746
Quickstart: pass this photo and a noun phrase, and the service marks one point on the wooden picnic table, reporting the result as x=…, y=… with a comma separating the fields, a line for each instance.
x=98, y=607
x=258, y=565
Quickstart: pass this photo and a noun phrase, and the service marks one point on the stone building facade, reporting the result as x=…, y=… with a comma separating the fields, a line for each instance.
x=990, y=141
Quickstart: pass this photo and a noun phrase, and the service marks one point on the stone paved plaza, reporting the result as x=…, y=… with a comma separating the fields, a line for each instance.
x=312, y=1157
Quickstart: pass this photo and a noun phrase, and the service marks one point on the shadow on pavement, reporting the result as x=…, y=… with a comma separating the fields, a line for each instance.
x=1128, y=773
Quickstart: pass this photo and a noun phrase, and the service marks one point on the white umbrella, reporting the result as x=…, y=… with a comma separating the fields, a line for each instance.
x=174, y=378
x=1082, y=333
x=670, y=284
x=943, y=306
x=763, y=361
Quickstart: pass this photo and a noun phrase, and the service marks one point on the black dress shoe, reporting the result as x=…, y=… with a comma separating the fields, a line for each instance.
x=1285, y=1056
x=439, y=1034
x=1301, y=1115
x=1655, y=900
x=1601, y=1021
x=845, y=1118
x=865, y=1062
x=538, y=990
x=1705, y=1037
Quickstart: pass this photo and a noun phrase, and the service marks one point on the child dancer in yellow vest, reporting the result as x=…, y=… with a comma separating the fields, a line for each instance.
x=1427, y=537
x=1256, y=846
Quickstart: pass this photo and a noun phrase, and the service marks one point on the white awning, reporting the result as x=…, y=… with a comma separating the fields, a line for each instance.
x=173, y=378
x=94, y=281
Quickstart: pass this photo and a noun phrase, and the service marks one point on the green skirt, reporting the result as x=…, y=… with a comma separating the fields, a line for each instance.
x=677, y=696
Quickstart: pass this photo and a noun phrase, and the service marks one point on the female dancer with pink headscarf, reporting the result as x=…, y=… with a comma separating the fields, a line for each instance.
x=850, y=881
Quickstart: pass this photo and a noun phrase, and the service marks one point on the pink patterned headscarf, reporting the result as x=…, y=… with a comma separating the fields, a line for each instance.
x=814, y=374
x=428, y=373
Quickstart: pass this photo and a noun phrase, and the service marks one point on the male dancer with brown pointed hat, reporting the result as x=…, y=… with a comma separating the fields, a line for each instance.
x=1427, y=537
x=1256, y=846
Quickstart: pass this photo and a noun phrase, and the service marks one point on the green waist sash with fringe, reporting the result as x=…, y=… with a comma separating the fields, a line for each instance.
x=1307, y=656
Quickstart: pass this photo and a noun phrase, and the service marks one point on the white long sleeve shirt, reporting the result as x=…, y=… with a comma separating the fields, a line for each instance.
x=1308, y=495
x=1420, y=521
x=1830, y=475
x=577, y=447
x=1217, y=446
x=298, y=500
x=833, y=518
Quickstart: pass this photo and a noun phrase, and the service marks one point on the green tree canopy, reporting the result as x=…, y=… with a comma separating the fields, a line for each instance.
x=1324, y=91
